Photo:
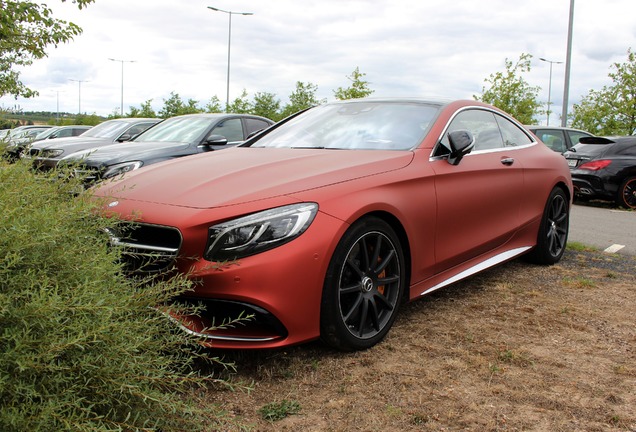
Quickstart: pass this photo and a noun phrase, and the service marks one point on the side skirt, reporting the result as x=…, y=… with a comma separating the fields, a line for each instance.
x=483, y=265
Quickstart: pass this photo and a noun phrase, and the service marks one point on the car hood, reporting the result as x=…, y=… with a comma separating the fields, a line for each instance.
x=240, y=175
x=71, y=147
x=62, y=143
x=129, y=151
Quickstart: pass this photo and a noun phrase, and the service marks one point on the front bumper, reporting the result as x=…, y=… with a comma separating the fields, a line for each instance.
x=281, y=288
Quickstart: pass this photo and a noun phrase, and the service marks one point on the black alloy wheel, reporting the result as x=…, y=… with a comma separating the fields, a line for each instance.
x=553, y=231
x=364, y=286
x=627, y=194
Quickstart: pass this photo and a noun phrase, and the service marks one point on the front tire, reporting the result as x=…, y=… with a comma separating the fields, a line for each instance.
x=553, y=231
x=363, y=287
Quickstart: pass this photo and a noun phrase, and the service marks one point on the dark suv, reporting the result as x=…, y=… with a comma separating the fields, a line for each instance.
x=605, y=168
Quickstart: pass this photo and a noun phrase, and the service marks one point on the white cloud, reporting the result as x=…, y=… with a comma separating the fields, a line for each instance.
x=405, y=48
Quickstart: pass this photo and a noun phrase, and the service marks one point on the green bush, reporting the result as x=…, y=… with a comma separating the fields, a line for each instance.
x=81, y=346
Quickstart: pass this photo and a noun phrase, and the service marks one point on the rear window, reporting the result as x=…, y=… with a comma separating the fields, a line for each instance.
x=591, y=149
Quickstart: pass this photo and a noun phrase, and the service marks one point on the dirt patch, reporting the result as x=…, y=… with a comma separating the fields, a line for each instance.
x=517, y=348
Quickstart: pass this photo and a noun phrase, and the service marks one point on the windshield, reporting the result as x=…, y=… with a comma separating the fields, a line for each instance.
x=355, y=126
x=109, y=129
x=178, y=129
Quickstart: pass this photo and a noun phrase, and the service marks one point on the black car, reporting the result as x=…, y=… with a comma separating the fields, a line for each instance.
x=47, y=154
x=61, y=132
x=559, y=139
x=18, y=139
x=173, y=138
x=605, y=168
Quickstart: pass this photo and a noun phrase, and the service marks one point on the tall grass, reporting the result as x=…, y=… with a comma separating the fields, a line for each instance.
x=81, y=346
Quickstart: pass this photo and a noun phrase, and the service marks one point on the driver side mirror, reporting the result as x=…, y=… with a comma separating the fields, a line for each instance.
x=215, y=140
x=125, y=137
x=462, y=142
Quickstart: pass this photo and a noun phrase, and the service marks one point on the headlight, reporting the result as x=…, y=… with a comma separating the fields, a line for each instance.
x=50, y=153
x=258, y=232
x=121, y=168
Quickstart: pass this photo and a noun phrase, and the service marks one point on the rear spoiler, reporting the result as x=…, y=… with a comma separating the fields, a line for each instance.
x=596, y=140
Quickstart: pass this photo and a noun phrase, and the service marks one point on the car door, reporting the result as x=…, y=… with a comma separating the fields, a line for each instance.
x=478, y=200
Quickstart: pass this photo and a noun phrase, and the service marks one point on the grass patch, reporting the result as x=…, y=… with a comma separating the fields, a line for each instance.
x=276, y=411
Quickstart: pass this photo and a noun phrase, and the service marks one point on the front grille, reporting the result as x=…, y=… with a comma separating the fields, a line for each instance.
x=146, y=248
x=88, y=175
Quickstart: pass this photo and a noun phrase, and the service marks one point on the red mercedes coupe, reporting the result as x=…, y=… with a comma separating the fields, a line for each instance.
x=324, y=224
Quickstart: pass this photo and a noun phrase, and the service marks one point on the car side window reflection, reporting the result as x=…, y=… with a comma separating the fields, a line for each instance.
x=231, y=129
x=481, y=124
x=512, y=134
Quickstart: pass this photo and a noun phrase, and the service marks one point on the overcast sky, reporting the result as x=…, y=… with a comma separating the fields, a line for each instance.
x=405, y=48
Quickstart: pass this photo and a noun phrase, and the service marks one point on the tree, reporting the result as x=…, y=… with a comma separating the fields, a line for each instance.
x=214, y=105
x=174, y=106
x=240, y=105
x=358, y=89
x=145, y=111
x=611, y=110
x=26, y=30
x=303, y=97
x=508, y=91
x=266, y=105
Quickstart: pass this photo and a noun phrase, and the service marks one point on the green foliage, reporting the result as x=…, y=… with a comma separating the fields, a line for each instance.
x=266, y=105
x=303, y=97
x=83, y=348
x=358, y=89
x=279, y=410
x=240, y=105
x=84, y=119
x=145, y=111
x=214, y=105
x=510, y=92
x=26, y=30
x=611, y=110
x=174, y=106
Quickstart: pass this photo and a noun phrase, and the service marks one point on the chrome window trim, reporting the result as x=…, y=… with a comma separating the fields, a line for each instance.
x=533, y=141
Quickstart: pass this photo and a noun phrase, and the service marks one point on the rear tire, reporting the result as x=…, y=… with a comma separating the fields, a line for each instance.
x=627, y=194
x=363, y=287
x=553, y=231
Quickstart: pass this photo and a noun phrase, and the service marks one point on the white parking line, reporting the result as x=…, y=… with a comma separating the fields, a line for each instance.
x=614, y=248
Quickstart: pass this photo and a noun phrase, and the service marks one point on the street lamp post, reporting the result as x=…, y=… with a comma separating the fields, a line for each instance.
x=549, y=83
x=57, y=113
x=121, y=112
x=79, y=97
x=229, y=43
x=568, y=60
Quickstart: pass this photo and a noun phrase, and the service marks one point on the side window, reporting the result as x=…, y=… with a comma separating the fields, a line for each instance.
x=137, y=129
x=232, y=129
x=627, y=150
x=555, y=139
x=65, y=133
x=512, y=134
x=481, y=124
x=253, y=125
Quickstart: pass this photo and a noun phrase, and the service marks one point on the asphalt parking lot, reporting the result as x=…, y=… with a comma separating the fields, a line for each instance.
x=606, y=228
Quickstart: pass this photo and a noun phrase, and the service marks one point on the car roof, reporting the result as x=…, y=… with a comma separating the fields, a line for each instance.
x=535, y=127
x=135, y=119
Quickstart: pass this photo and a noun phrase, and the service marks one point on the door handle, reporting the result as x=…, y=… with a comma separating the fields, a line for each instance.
x=507, y=161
